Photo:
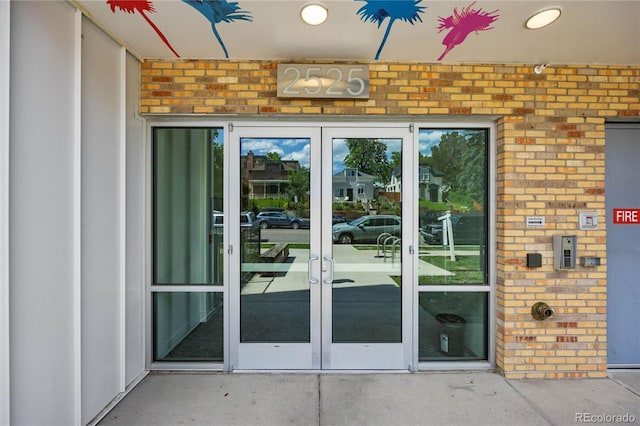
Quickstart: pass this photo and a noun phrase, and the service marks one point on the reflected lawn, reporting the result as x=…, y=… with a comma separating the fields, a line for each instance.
x=467, y=269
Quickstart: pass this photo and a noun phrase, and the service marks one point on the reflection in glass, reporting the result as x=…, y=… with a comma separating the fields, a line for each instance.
x=367, y=212
x=274, y=291
x=452, y=326
x=452, y=195
x=188, y=326
x=188, y=195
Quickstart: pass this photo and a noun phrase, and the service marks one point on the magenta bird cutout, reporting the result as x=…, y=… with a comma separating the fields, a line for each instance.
x=462, y=24
x=141, y=6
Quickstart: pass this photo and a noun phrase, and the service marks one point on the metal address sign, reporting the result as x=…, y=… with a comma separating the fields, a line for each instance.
x=323, y=81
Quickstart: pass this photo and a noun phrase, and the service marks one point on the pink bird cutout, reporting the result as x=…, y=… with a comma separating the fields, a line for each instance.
x=464, y=23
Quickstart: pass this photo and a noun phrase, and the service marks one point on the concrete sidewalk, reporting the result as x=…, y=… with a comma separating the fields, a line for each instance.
x=429, y=398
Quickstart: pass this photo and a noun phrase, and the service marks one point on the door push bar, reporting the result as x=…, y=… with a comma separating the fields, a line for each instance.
x=311, y=279
x=330, y=260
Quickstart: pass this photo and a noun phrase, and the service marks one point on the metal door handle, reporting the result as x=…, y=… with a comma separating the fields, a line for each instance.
x=311, y=279
x=330, y=260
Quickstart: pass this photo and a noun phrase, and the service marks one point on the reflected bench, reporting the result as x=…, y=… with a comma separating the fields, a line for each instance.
x=276, y=254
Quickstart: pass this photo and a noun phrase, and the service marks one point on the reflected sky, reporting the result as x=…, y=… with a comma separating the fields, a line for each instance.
x=299, y=148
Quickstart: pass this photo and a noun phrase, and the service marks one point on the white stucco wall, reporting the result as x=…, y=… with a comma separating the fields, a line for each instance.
x=75, y=307
x=43, y=215
x=4, y=213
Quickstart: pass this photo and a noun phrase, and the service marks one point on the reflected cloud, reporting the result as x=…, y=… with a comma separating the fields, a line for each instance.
x=261, y=146
x=301, y=156
x=340, y=151
x=428, y=139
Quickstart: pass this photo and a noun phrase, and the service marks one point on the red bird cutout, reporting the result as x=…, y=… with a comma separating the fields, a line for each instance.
x=142, y=6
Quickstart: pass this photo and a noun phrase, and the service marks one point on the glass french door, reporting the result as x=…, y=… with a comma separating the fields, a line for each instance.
x=319, y=249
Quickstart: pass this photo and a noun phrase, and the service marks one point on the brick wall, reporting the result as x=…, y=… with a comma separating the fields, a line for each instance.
x=550, y=162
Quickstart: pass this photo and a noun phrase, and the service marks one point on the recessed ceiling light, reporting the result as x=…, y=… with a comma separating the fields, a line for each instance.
x=543, y=18
x=314, y=13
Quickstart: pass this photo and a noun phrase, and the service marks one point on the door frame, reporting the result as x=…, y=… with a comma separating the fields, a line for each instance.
x=328, y=121
x=318, y=354
x=368, y=356
x=267, y=356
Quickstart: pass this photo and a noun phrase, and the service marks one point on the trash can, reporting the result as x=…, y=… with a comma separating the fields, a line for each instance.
x=452, y=328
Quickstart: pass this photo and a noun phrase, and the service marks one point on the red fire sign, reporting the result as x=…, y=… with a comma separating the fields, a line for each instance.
x=626, y=216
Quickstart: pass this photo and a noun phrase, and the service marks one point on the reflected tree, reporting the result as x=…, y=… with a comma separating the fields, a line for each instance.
x=369, y=156
x=274, y=156
x=460, y=156
x=471, y=179
x=298, y=187
x=217, y=164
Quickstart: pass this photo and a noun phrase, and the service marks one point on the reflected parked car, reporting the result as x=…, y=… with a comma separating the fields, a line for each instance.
x=274, y=219
x=466, y=228
x=248, y=227
x=338, y=218
x=366, y=229
x=247, y=219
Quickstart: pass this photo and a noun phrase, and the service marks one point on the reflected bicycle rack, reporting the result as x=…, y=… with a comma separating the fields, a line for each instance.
x=387, y=239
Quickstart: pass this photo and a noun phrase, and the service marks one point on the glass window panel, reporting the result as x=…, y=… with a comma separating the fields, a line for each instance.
x=367, y=296
x=188, y=326
x=452, y=203
x=453, y=326
x=188, y=172
x=274, y=192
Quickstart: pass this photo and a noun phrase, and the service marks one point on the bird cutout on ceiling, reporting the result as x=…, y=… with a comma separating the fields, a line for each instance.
x=378, y=10
x=217, y=11
x=142, y=6
x=464, y=23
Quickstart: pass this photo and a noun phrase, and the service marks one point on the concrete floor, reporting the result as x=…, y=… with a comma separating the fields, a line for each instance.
x=458, y=398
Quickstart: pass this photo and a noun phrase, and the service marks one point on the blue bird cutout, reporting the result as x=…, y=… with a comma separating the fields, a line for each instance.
x=220, y=11
x=379, y=10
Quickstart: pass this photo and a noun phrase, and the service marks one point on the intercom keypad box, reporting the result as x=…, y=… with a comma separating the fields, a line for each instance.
x=564, y=251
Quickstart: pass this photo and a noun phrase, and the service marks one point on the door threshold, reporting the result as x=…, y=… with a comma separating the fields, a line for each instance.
x=321, y=372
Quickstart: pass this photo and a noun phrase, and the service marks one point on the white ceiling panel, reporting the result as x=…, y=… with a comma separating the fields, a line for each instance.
x=588, y=32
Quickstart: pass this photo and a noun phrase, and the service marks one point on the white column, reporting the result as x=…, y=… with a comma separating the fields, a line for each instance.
x=135, y=226
x=122, y=222
x=4, y=213
x=77, y=219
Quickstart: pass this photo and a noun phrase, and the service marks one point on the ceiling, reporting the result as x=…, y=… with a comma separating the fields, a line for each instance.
x=587, y=32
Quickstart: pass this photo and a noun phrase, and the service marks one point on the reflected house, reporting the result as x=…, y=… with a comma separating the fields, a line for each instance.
x=351, y=184
x=266, y=177
x=430, y=181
